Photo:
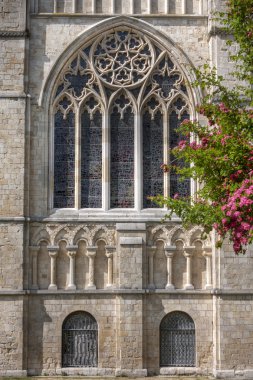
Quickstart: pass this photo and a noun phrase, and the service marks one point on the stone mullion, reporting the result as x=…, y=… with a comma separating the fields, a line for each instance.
x=138, y=163
x=78, y=159
x=151, y=253
x=91, y=253
x=188, y=253
x=72, y=254
x=109, y=251
x=53, y=253
x=106, y=162
x=169, y=253
x=34, y=250
x=166, y=144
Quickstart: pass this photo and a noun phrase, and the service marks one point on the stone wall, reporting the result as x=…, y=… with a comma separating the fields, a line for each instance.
x=11, y=335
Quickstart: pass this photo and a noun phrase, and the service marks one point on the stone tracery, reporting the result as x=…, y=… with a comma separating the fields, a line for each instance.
x=128, y=71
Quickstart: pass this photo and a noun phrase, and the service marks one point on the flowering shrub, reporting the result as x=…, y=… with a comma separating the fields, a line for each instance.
x=221, y=152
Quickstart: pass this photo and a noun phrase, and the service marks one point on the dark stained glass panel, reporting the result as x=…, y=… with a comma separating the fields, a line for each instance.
x=122, y=159
x=152, y=157
x=64, y=160
x=91, y=160
x=177, y=186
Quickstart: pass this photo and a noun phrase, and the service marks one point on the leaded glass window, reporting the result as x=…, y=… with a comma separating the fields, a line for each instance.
x=117, y=106
x=153, y=181
x=91, y=155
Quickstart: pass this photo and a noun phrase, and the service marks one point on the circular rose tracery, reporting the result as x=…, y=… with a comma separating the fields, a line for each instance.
x=123, y=58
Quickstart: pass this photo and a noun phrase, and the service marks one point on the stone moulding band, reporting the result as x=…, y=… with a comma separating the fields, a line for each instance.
x=14, y=34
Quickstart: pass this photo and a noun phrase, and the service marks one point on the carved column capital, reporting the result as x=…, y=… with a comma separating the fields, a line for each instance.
x=109, y=251
x=53, y=251
x=189, y=251
x=91, y=251
x=207, y=251
x=72, y=249
x=170, y=250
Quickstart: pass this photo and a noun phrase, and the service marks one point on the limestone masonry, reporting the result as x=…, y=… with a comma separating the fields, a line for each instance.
x=91, y=281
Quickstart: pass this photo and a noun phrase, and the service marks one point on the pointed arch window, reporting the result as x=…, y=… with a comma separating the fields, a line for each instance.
x=117, y=105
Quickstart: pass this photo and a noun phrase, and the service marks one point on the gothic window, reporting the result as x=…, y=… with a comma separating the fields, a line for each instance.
x=117, y=107
x=80, y=340
x=177, y=340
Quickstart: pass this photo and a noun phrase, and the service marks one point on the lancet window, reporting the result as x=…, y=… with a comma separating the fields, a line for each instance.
x=117, y=105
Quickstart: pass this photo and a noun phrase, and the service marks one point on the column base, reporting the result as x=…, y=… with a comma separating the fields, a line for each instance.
x=52, y=287
x=71, y=287
x=169, y=287
x=131, y=372
x=151, y=286
x=34, y=287
x=189, y=287
x=109, y=286
x=92, y=287
x=209, y=287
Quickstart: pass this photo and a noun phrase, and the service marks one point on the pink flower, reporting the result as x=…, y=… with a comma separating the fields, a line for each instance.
x=176, y=196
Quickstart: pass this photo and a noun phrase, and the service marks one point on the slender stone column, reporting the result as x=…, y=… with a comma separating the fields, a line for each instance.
x=149, y=10
x=93, y=6
x=74, y=6
x=53, y=252
x=34, y=257
x=72, y=255
x=91, y=253
x=151, y=253
x=112, y=7
x=188, y=253
x=55, y=6
x=109, y=251
x=166, y=6
x=169, y=253
x=183, y=7
x=207, y=253
x=131, y=7
x=201, y=7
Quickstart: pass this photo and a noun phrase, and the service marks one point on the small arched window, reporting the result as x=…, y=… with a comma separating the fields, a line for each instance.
x=117, y=106
x=177, y=340
x=80, y=340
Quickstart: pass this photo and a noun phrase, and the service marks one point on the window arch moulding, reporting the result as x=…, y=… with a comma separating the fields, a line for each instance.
x=120, y=63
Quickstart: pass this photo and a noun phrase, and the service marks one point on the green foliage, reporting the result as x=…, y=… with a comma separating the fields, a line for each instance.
x=220, y=153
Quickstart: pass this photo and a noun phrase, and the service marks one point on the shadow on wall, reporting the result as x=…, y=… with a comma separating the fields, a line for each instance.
x=37, y=322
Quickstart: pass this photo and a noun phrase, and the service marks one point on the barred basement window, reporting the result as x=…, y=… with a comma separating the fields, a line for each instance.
x=117, y=105
x=80, y=341
x=177, y=340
